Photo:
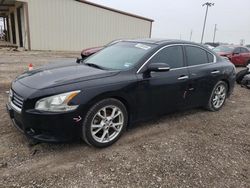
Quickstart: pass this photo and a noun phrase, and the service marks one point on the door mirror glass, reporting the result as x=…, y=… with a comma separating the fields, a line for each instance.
x=158, y=67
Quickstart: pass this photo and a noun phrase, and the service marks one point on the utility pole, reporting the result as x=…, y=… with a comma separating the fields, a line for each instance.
x=191, y=34
x=205, y=20
x=215, y=29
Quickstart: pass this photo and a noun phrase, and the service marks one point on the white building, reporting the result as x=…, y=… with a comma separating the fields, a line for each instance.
x=68, y=25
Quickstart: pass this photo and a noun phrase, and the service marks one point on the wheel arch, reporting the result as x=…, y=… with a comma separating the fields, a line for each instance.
x=228, y=86
x=123, y=99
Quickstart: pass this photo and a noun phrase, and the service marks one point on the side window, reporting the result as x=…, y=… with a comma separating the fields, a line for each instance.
x=237, y=50
x=244, y=50
x=173, y=56
x=196, y=56
x=210, y=57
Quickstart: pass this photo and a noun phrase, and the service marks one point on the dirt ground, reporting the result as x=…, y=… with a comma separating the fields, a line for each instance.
x=195, y=148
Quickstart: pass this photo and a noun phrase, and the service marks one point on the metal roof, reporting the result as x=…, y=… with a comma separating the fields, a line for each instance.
x=115, y=10
x=5, y=6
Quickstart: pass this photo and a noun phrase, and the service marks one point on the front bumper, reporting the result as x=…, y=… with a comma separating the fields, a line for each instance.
x=46, y=127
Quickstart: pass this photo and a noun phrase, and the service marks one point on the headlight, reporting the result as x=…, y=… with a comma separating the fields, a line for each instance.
x=57, y=103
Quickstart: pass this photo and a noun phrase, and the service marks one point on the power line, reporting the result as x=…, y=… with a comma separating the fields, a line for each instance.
x=215, y=30
x=191, y=35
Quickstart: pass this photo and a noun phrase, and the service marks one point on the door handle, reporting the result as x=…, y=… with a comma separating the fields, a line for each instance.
x=215, y=72
x=183, y=77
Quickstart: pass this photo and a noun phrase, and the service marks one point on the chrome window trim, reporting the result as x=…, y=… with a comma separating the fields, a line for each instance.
x=14, y=107
x=215, y=59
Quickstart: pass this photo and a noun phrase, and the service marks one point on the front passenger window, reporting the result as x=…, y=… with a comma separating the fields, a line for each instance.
x=173, y=56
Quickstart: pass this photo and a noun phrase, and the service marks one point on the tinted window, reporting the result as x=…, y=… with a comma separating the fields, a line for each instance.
x=196, y=56
x=227, y=49
x=210, y=57
x=173, y=56
x=244, y=50
x=237, y=50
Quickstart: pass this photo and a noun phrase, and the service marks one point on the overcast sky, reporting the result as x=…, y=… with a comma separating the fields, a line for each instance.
x=176, y=18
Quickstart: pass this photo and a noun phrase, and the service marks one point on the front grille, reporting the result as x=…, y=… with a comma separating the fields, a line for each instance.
x=17, y=100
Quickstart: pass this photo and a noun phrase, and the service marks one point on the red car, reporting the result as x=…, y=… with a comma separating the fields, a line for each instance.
x=238, y=55
x=90, y=51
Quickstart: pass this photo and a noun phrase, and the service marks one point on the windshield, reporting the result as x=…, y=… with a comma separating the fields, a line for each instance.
x=228, y=49
x=120, y=56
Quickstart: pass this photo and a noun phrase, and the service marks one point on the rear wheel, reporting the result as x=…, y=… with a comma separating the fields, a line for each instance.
x=218, y=96
x=104, y=123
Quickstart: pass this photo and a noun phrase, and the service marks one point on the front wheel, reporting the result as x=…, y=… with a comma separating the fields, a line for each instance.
x=218, y=96
x=104, y=123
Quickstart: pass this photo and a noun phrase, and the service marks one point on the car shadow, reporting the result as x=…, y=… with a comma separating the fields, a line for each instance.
x=38, y=147
x=165, y=117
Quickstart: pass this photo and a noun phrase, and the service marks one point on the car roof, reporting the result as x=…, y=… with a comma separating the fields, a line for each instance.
x=160, y=41
x=233, y=46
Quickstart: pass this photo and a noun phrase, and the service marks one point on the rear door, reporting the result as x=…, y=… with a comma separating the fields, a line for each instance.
x=204, y=74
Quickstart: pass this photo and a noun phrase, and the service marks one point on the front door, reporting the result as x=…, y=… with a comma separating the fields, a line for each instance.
x=165, y=91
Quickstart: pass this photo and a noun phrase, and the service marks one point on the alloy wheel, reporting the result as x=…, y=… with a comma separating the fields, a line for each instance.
x=219, y=96
x=107, y=124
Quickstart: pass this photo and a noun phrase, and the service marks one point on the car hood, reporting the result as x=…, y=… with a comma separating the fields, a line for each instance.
x=61, y=74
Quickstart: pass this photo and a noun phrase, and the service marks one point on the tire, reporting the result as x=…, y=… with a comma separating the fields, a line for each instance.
x=102, y=125
x=246, y=81
x=240, y=75
x=214, y=96
x=248, y=63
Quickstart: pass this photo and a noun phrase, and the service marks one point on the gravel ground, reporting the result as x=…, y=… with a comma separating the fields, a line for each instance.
x=194, y=148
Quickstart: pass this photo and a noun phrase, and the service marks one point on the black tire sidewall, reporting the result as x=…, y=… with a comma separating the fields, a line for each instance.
x=240, y=75
x=86, y=128
x=248, y=63
x=210, y=105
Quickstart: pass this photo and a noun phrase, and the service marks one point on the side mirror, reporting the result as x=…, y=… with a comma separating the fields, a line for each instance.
x=79, y=60
x=158, y=67
x=236, y=53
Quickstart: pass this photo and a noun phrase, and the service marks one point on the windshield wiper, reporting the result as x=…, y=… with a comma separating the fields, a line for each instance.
x=94, y=65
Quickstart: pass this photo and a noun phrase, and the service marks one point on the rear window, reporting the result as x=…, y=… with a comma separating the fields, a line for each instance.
x=244, y=50
x=210, y=57
x=196, y=56
x=227, y=49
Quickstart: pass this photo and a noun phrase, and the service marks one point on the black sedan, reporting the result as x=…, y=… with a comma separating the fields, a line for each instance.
x=98, y=98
